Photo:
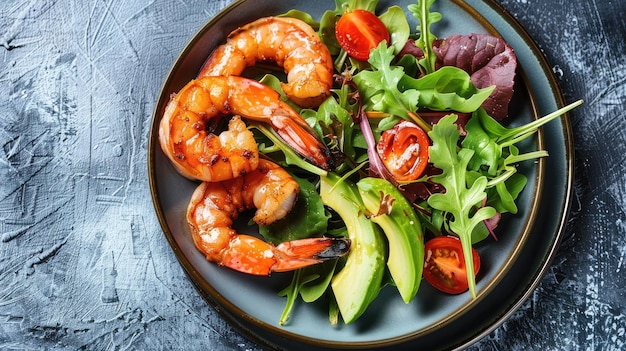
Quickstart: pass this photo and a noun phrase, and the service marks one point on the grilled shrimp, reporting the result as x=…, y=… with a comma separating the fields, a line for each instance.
x=273, y=192
x=186, y=139
x=289, y=42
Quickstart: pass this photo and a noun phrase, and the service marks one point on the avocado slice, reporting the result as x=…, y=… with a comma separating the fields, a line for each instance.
x=389, y=209
x=359, y=281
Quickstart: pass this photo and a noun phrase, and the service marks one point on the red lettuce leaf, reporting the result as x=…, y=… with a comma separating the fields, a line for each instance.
x=488, y=60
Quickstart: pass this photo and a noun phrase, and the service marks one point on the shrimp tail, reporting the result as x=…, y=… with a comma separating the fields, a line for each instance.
x=251, y=255
x=301, y=137
x=305, y=252
x=261, y=103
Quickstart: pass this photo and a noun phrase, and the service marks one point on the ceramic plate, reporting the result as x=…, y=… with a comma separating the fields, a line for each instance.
x=511, y=267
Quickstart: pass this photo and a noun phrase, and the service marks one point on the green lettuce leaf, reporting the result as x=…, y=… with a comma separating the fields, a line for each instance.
x=448, y=88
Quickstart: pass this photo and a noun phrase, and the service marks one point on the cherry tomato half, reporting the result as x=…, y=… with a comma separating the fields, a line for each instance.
x=359, y=31
x=404, y=150
x=444, y=265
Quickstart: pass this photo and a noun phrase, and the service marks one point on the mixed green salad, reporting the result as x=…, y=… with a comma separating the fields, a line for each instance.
x=424, y=169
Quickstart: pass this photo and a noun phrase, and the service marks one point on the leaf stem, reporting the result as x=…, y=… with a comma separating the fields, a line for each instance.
x=420, y=122
x=509, y=171
x=517, y=132
x=527, y=156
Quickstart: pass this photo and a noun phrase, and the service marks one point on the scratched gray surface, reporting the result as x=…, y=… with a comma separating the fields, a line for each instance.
x=83, y=262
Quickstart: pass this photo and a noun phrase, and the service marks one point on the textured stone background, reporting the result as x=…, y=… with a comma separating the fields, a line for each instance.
x=83, y=262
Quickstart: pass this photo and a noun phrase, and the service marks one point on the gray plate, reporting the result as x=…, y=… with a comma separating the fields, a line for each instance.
x=511, y=267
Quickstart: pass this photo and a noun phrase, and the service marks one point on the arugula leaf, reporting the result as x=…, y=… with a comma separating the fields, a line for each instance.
x=421, y=11
x=458, y=200
x=379, y=87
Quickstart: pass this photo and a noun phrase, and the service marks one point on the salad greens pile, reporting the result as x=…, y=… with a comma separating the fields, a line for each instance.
x=472, y=178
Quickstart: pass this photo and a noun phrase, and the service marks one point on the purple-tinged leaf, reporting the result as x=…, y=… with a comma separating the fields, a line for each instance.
x=488, y=60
